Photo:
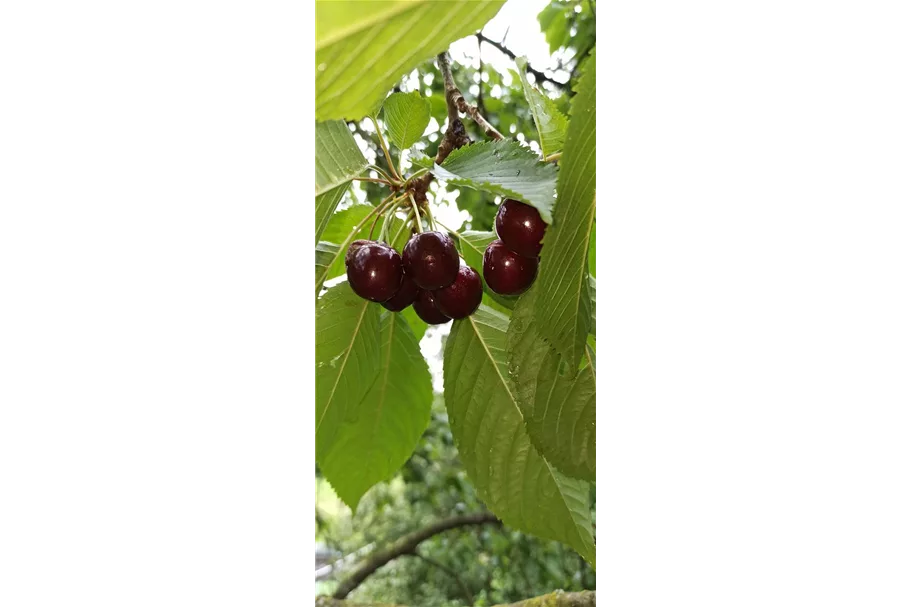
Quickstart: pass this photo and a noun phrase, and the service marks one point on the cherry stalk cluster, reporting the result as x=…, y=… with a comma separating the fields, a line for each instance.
x=428, y=275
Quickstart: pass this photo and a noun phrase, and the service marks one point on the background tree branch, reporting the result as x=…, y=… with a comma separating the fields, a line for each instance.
x=407, y=545
x=559, y=598
x=469, y=598
x=539, y=75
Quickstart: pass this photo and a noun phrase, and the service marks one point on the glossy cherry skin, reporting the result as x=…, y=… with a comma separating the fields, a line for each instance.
x=404, y=297
x=427, y=310
x=352, y=249
x=506, y=272
x=521, y=228
x=374, y=271
x=431, y=260
x=461, y=298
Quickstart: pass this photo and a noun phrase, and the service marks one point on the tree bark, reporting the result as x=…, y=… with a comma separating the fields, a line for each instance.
x=559, y=598
x=407, y=545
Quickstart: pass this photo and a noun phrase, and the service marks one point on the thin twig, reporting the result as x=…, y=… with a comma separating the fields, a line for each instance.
x=539, y=76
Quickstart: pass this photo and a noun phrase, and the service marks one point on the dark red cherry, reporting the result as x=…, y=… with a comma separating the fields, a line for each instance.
x=404, y=297
x=352, y=249
x=431, y=260
x=427, y=309
x=520, y=227
x=374, y=271
x=461, y=298
x=506, y=272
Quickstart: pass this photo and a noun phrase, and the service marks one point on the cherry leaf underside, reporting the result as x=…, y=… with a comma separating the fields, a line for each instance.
x=338, y=160
x=518, y=485
x=563, y=308
x=557, y=399
x=364, y=47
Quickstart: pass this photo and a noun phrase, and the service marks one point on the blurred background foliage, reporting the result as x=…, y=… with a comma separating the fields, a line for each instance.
x=477, y=565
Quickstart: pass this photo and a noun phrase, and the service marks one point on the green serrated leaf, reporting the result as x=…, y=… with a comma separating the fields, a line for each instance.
x=418, y=326
x=510, y=476
x=557, y=398
x=379, y=433
x=591, y=250
x=505, y=168
x=326, y=203
x=563, y=303
x=326, y=253
x=406, y=116
x=347, y=359
x=364, y=47
x=550, y=121
x=421, y=161
x=591, y=292
x=472, y=245
x=338, y=159
x=554, y=25
x=340, y=229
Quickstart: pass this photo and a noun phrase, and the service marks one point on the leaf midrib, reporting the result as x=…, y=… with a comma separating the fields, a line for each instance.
x=521, y=417
x=341, y=370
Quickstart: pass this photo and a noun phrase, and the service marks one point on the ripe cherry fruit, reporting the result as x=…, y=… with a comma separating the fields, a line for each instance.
x=507, y=272
x=352, y=249
x=374, y=270
x=430, y=259
x=461, y=298
x=404, y=297
x=520, y=227
x=426, y=308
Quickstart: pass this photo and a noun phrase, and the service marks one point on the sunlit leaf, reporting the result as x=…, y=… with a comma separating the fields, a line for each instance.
x=407, y=116
x=505, y=168
x=380, y=431
x=364, y=47
x=347, y=359
x=563, y=303
x=550, y=121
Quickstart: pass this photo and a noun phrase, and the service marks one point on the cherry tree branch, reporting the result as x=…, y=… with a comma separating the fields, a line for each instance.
x=586, y=598
x=469, y=598
x=406, y=545
x=539, y=76
x=455, y=100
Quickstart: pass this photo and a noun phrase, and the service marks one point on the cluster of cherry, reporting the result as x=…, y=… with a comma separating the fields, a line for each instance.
x=428, y=275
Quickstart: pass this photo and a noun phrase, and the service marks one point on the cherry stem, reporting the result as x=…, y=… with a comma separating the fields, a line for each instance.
x=379, y=135
x=417, y=214
x=380, y=207
x=403, y=226
x=416, y=174
x=553, y=157
x=381, y=172
x=387, y=219
x=433, y=222
x=383, y=181
x=451, y=231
